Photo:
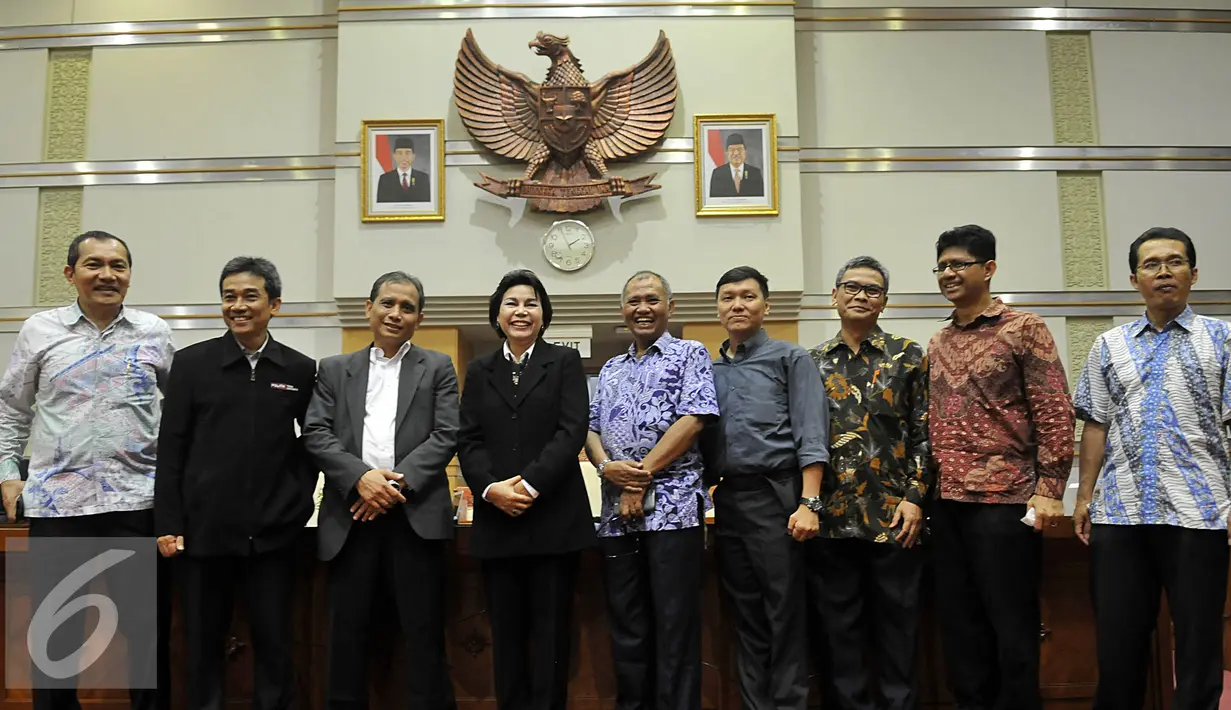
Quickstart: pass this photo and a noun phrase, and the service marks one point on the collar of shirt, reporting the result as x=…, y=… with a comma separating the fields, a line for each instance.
x=525, y=357
x=377, y=356
x=875, y=339
x=661, y=344
x=995, y=310
x=1184, y=320
x=72, y=315
x=748, y=347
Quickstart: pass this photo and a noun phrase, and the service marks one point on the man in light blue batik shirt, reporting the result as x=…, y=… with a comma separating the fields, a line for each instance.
x=82, y=389
x=1156, y=480
x=645, y=417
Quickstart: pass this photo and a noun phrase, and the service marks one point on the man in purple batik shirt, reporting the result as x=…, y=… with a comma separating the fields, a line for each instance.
x=646, y=414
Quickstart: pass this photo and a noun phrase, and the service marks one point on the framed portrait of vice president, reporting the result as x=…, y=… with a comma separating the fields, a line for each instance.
x=403, y=170
x=735, y=164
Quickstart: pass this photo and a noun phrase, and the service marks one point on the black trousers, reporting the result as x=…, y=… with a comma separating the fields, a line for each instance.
x=530, y=605
x=1130, y=566
x=654, y=609
x=138, y=523
x=762, y=569
x=266, y=583
x=987, y=566
x=386, y=570
x=867, y=596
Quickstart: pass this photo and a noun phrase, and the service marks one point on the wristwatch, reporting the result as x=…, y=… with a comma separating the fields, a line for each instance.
x=602, y=466
x=813, y=504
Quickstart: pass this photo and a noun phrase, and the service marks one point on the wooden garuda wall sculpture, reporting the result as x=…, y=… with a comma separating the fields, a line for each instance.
x=565, y=127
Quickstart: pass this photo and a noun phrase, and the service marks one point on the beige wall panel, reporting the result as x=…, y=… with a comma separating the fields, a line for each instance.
x=316, y=343
x=713, y=57
x=14, y=13
x=482, y=240
x=1194, y=202
x=815, y=332
x=1163, y=88
x=143, y=10
x=19, y=232
x=23, y=90
x=873, y=88
x=896, y=217
x=242, y=99
x=181, y=235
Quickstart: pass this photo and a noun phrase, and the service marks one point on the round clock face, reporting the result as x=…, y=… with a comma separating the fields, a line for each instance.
x=568, y=245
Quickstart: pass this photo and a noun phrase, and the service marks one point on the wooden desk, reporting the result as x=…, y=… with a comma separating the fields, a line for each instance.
x=1068, y=675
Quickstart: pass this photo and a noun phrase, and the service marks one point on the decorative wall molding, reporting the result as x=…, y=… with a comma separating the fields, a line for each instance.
x=1083, y=231
x=389, y=11
x=812, y=160
x=196, y=317
x=1070, y=60
x=1061, y=304
x=68, y=104
x=809, y=18
x=567, y=309
x=1016, y=159
x=59, y=221
x=121, y=34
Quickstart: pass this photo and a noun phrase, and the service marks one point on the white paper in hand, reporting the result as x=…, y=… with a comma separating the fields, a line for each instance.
x=1029, y=517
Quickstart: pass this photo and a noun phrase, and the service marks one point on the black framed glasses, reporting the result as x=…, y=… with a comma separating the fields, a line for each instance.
x=956, y=266
x=852, y=288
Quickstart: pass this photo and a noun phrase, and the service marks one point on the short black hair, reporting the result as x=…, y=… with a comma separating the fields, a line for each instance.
x=742, y=273
x=518, y=277
x=256, y=266
x=1161, y=233
x=74, y=247
x=979, y=241
x=398, y=277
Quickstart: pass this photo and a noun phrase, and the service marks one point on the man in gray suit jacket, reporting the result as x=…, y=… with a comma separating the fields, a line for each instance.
x=382, y=426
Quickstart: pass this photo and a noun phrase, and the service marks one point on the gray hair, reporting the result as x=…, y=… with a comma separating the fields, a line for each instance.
x=642, y=276
x=863, y=262
x=256, y=266
x=398, y=277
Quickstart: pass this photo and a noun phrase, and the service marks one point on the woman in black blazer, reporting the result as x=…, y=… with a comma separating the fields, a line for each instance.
x=524, y=418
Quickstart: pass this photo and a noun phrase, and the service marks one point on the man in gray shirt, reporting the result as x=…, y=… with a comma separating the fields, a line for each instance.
x=771, y=449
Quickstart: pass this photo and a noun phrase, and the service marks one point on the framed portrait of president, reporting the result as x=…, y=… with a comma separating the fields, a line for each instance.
x=735, y=164
x=402, y=166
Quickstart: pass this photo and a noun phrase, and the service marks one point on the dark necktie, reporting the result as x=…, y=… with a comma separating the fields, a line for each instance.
x=404, y=185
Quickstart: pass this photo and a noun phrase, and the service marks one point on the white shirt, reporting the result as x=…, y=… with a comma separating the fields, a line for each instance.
x=508, y=355
x=404, y=176
x=255, y=356
x=381, y=408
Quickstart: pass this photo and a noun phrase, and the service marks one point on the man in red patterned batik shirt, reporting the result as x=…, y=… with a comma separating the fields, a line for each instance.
x=1001, y=426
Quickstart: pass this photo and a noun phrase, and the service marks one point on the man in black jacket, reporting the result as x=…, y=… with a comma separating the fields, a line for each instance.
x=233, y=488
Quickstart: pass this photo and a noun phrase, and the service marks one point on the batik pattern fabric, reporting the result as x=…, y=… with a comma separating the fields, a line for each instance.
x=635, y=403
x=1000, y=418
x=87, y=402
x=878, y=433
x=1164, y=397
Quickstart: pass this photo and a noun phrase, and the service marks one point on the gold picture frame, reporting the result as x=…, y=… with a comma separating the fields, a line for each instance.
x=715, y=184
x=419, y=196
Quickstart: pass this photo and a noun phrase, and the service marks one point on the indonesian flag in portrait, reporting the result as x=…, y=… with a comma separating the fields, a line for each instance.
x=714, y=145
x=384, y=156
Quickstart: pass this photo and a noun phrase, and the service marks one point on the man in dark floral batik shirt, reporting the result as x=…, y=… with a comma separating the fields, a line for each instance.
x=864, y=567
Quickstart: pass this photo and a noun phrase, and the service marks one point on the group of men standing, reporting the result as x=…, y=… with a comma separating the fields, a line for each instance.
x=835, y=468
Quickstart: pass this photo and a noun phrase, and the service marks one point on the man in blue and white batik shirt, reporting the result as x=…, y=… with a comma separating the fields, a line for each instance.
x=1155, y=397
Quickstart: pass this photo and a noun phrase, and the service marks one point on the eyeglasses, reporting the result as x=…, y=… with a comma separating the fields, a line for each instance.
x=1173, y=264
x=956, y=266
x=852, y=288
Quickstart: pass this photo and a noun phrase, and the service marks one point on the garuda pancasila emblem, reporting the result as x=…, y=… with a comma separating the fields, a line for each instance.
x=565, y=127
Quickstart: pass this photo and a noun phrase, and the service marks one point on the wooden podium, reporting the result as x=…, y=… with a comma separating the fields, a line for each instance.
x=1068, y=675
